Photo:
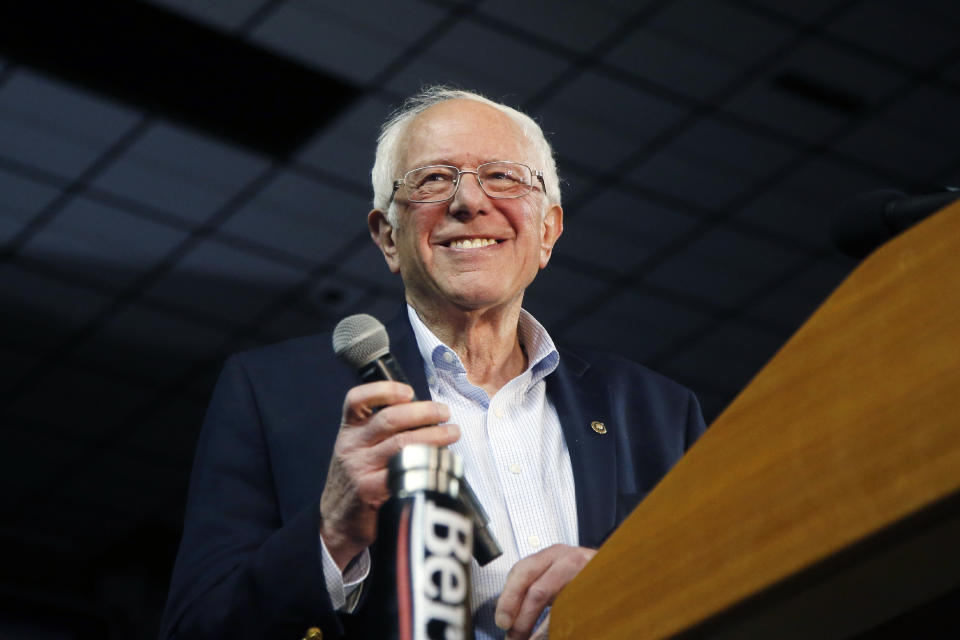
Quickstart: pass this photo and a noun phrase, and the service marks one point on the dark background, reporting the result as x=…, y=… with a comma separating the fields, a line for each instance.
x=180, y=180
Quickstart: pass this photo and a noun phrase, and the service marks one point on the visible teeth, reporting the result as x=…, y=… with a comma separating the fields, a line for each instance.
x=474, y=243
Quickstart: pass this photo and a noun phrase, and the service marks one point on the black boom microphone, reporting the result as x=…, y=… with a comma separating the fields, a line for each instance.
x=362, y=342
x=870, y=219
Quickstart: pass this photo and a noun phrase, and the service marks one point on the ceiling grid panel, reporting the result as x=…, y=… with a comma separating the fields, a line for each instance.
x=704, y=147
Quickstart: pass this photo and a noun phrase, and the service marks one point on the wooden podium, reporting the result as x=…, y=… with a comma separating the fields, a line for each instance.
x=826, y=498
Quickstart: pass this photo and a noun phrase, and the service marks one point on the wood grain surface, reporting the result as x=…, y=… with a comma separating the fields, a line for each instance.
x=852, y=427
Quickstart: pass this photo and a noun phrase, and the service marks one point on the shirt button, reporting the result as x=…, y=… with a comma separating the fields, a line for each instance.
x=432, y=380
x=498, y=412
x=534, y=541
x=447, y=356
x=516, y=468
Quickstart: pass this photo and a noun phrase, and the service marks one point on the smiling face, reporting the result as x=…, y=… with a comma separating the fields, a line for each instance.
x=472, y=252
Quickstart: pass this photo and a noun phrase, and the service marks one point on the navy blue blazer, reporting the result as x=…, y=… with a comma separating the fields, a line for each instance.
x=249, y=561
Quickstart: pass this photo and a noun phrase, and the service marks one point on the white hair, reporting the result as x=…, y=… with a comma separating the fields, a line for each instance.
x=394, y=129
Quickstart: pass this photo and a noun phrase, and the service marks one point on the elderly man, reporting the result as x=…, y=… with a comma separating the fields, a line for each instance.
x=281, y=524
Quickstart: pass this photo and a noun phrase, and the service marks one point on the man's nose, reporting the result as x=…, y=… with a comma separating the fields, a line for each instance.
x=470, y=199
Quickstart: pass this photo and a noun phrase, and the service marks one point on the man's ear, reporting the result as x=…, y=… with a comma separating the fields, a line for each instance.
x=550, y=230
x=382, y=233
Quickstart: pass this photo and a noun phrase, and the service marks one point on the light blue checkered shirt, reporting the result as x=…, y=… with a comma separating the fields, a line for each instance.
x=514, y=456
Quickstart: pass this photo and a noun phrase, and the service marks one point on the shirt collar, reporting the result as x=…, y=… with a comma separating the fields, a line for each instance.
x=542, y=355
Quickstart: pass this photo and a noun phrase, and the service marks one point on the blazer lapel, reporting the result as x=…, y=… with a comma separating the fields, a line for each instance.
x=581, y=399
x=403, y=346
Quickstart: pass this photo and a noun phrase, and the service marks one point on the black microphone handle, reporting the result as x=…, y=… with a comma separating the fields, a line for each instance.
x=383, y=368
x=485, y=545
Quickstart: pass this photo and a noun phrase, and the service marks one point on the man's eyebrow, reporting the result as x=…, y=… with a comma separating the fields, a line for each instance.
x=431, y=162
x=451, y=163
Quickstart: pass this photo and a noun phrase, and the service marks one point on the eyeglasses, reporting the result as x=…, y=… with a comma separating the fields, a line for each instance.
x=439, y=182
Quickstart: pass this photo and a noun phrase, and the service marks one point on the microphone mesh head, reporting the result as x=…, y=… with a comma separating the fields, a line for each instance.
x=360, y=339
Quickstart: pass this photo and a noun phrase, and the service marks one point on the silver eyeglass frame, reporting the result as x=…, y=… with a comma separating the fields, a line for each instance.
x=536, y=173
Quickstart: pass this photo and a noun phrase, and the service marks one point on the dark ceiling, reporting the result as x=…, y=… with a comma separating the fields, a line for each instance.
x=181, y=180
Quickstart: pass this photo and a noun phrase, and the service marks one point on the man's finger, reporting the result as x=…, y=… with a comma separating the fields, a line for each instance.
x=543, y=631
x=521, y=576
x=438, y=435
x=539, y=595
x=534, y=583
x=372, y=488
x=402, y=417
x=363, y=400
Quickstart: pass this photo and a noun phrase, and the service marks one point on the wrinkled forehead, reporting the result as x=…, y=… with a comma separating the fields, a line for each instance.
x=461, y=131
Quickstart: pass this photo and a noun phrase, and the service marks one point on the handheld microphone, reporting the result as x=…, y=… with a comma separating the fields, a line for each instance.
x=362, y=342
x=433, y=532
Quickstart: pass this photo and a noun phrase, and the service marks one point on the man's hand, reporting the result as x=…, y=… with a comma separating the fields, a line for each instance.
x=356, y=484
x=533, y=584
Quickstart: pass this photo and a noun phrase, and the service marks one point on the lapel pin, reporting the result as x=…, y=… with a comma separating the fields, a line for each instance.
x=598, y=426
